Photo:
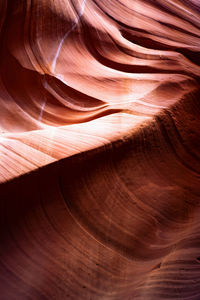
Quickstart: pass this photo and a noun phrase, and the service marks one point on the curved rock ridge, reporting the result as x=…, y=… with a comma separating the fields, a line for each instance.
x=99, y=149
x=93, y=64
x=117, y=222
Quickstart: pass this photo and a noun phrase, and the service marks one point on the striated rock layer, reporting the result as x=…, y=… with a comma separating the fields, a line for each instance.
x=99, y=149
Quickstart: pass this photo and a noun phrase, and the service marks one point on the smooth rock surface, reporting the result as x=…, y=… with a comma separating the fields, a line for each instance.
x=99, y=149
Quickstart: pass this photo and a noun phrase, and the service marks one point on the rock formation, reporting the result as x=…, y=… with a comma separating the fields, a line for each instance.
x=99, y=149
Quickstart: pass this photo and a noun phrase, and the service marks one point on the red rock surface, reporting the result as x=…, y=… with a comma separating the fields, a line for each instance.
x=99, y=149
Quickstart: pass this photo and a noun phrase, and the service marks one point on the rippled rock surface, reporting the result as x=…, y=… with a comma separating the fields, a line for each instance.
x=99, y=149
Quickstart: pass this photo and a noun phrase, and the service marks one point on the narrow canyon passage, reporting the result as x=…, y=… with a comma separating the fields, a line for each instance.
x=99, y=149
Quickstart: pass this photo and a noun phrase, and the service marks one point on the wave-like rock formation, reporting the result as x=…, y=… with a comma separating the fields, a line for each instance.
x=99, y=149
